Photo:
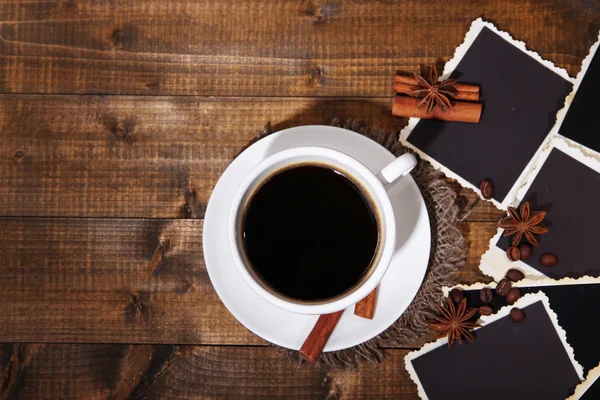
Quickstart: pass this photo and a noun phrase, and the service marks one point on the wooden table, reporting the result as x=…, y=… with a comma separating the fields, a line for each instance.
x=118, y=117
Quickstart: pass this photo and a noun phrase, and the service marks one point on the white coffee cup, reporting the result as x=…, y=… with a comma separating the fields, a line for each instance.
x=374, y=186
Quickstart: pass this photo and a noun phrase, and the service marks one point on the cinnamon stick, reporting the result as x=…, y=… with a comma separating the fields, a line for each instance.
x=317, y=339
x=400, y=87
x=366, y=307
x=460, y=87
x=461, y=111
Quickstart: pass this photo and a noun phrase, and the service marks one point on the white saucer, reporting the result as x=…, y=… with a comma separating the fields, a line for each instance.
x=399, y=285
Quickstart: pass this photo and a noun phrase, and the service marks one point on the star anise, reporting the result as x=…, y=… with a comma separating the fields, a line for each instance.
x=523, y=223
x=434, y=93
x=454, y=322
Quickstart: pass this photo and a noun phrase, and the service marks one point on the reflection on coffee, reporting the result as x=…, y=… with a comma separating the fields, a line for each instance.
x=310, y=233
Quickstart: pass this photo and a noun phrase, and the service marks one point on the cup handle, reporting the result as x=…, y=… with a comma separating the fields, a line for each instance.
x=398, y=168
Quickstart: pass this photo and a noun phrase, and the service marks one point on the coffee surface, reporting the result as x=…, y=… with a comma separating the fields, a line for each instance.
x=310, y=233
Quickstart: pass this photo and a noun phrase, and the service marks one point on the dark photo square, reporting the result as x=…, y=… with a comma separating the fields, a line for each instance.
x=507, y=361
x=520, y=100
x=573, y=305
x=569, y=192
x=580, y=123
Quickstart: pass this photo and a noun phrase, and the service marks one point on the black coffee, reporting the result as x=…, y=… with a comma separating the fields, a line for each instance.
x=310, y=233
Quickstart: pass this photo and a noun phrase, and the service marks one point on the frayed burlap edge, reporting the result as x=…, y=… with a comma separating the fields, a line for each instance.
x=448, y=253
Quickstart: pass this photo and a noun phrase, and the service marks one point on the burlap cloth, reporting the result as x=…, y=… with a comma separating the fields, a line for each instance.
x=448, y=253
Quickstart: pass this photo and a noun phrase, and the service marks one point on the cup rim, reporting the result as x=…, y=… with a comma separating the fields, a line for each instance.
x=362, y=175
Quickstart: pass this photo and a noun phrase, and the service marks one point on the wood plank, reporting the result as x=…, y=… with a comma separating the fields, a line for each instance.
x=478, y=237
x=86, y=280
x=79, y=280
x=140, y=156
x=261, y=47
x=248, y=373
x=99, y=156
x=100, y=371
x=91, y=371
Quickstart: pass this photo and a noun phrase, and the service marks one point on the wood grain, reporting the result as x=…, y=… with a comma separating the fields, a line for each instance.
x=87, y=280
x=133, y=175
x=80, y=280
x=91, y=371
x=261, y=47
x=158, y=157
x=101, y=371
x=478, y=236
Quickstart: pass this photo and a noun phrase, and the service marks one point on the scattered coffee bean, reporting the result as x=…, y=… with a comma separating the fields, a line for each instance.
x=513, y=253
x=457, y=295
x=486, y=295
x=514, y=275
x=526, y=251
x=517, y=315
x=549, y=260
x=503, y=287
x=485, y=310
x=513, y=295
x=487, y=189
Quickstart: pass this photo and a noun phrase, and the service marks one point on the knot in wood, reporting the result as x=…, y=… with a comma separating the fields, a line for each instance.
x=117, y=39
x=69, y=4
x=120, y=133
x=190, y=204
x=165, y=245
x=187, y=211
x=321, y=12
x=316, y=76
x=19, y=155
x=318, y=15
x=153, y=85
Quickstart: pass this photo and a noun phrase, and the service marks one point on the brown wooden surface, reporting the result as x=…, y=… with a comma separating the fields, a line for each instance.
x=261, y=47
x=116, y=121
x=105, y=156
x=91, y=280
x=100, y=371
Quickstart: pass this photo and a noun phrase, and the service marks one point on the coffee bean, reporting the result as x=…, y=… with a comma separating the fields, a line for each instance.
x=526, y=251
x=457, y=295
x=503, y=287
x=513, y=295
x=487, y=189
x=513, y=253
x=485, y=310
x=549, y=260
x=514, y=275
x=486, y=295
x=517, y=315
